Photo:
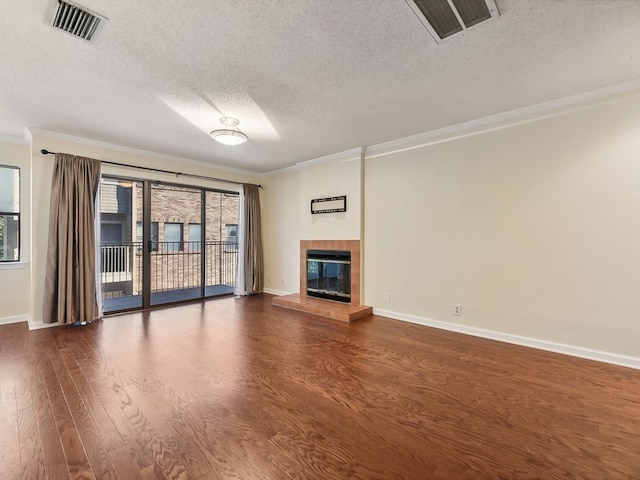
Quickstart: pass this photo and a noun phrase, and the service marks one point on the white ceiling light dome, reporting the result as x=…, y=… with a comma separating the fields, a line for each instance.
x=229, y=135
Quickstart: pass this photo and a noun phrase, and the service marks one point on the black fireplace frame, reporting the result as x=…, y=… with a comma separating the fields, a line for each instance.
x=333, y=267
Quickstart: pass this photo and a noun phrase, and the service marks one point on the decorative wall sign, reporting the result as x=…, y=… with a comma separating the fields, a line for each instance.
x=329, y=205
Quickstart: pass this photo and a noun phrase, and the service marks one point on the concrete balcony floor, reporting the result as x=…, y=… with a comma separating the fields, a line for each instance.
x=111, y=305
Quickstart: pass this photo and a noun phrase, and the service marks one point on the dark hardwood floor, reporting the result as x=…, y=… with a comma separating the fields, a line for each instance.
x=239, y=389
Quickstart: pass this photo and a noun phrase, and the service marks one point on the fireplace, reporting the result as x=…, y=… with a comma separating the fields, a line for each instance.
x=352, y=247
x=329, y=274
x=339, y=281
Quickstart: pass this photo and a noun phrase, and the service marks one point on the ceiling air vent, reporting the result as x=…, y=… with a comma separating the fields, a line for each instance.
x=443, y=18
x=76, y=20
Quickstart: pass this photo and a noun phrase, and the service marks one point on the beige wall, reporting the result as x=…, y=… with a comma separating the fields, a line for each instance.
x=14, y=282
x=42, y=166
x=281, y=232
x=330, y=180
x=533, y=229
x=287, y=216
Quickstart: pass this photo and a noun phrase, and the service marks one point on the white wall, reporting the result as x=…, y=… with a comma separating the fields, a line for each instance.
x=14, y=278
x=40, y=191
x=534, y=229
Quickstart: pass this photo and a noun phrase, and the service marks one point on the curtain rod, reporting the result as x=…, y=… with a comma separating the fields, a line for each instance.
x=44, y=151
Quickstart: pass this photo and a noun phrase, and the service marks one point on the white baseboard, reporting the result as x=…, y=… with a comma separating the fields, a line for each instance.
x=272, y=291
x=39, y=324
x=14, y=319
x=581, y=352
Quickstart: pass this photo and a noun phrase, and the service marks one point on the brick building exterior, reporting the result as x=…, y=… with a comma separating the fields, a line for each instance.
x=177, y=205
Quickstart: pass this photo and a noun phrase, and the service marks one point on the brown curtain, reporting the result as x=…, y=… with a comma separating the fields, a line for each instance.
x=253, y=259
x=70, y=282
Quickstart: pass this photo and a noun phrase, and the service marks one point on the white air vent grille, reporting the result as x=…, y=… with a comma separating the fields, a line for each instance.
x=443, y=18
x=76, y=20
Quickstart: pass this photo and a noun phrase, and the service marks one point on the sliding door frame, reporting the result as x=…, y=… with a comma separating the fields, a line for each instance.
x=147, y=241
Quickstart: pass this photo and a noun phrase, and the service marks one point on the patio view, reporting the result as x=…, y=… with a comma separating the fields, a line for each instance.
x=172, y=258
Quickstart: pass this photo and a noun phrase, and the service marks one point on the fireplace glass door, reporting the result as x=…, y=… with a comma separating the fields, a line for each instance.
x=329, y=275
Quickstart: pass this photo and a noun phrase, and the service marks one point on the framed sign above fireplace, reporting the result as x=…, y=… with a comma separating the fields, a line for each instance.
x=329, y=205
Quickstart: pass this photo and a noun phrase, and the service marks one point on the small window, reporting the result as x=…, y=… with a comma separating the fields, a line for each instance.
x=231, y=232
x=195, y=237
x=173, y=237
x=9, y=214
x=111, y=233
x=231, y=237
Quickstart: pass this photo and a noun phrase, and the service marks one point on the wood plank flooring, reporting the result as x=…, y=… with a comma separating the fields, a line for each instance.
x=238, y=389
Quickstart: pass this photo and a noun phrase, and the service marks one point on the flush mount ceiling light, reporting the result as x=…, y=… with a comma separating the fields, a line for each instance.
x=229, y=135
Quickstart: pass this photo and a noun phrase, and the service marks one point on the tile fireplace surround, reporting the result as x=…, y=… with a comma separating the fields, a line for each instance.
x=346, y=312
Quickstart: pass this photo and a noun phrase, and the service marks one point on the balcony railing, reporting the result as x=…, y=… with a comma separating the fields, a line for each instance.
x=174, y=266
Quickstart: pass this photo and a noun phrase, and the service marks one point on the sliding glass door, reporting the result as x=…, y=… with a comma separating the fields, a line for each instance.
x=163, y=243
x=120, y=248
x=176, y=257
x=221, y=243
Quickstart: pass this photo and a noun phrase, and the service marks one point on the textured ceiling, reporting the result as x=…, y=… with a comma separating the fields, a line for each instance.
x=305, y=78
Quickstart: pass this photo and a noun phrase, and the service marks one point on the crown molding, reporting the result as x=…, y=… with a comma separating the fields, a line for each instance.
x=293, y=168
x=345, y=156
x=502, y=120
x=452, y=132
x=12, y=139
x=474, y=127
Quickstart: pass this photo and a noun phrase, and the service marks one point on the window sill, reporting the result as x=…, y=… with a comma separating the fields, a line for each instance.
x=12, y=265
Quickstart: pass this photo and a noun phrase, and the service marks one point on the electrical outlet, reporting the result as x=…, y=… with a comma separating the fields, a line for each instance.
x=283, y=283
x=457, y=309
x=387, y=297
x=269, y=281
